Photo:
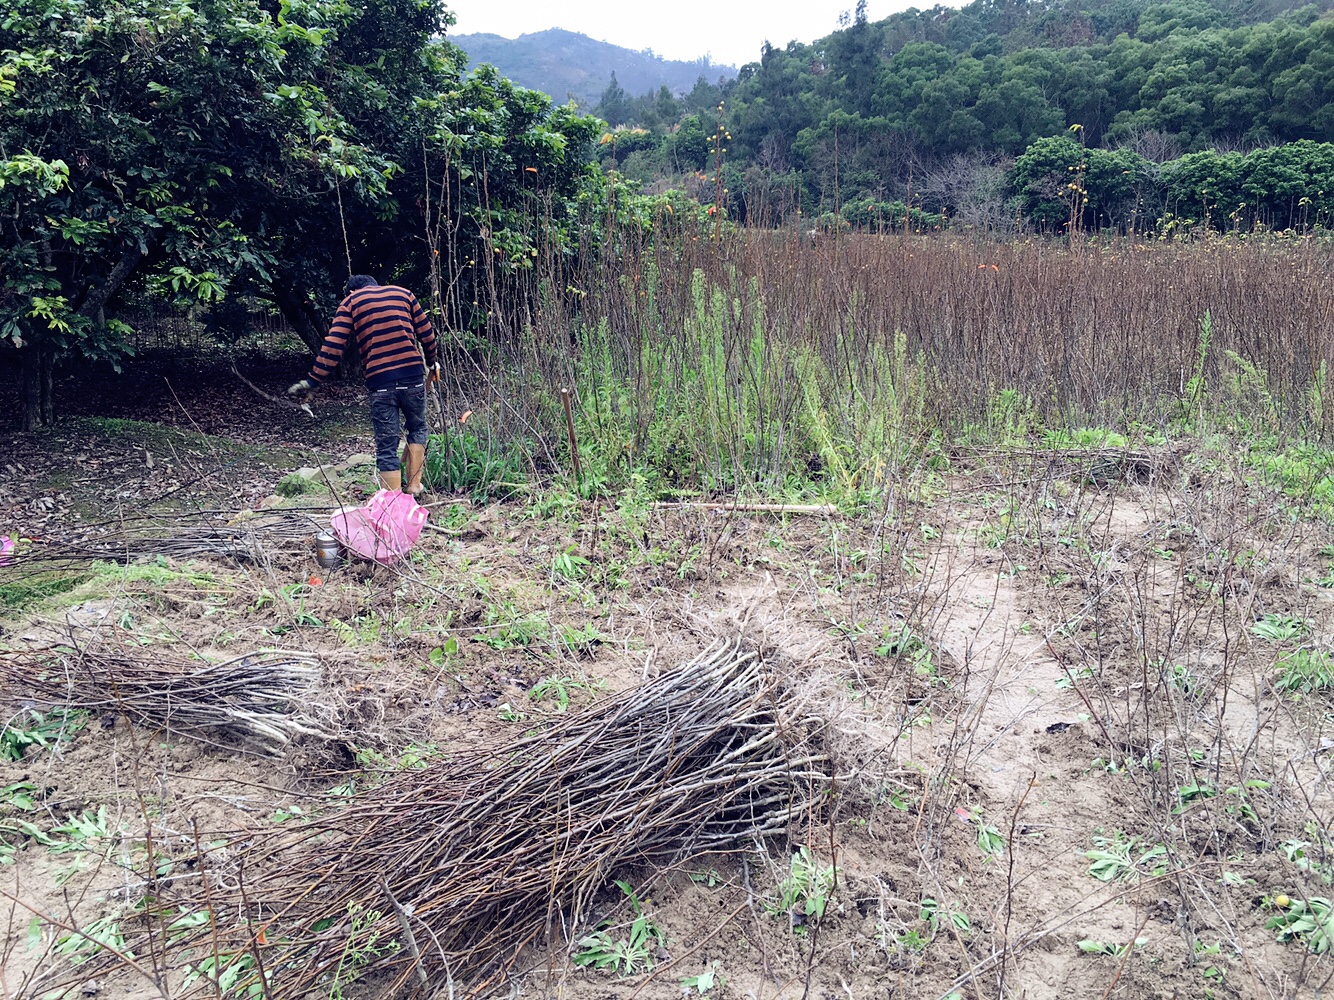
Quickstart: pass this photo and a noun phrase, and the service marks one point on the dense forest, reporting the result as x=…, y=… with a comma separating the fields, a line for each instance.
x=1168, y=111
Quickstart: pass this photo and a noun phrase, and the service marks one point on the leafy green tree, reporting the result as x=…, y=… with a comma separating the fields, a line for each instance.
x=1059, y=181
x=128, y=130
x=687, y=148
x=200, y=150
x=613, y=106
x=1204, y=185
x=1290, y=185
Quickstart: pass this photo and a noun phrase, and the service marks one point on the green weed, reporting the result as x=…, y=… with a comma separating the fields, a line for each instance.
x=1280, y=628
x=35, y=729
x=1309, y=921
x=703, y=983
x=33, y=588
x=1312, y=855
x=225, y=971
x=560, y=689
x=365, y=941
x=464, y=462
x=1091, y=947
x=1121, y=858
x=624, y=954
x=506, y=626
x=568, y=565
x=81, y=945
x=803, y=894
x=931, y=913
x=293, y=485
x=1304, y=671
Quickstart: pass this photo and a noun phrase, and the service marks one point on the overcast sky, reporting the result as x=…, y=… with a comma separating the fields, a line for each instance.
x=730, y=31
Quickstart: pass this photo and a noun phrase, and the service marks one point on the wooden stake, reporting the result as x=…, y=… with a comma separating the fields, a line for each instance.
x=766, y=508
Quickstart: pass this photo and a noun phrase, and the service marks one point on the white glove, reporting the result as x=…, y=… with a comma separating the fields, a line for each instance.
x=299, y=387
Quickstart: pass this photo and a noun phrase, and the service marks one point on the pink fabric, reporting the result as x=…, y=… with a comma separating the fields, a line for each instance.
x=385, y=530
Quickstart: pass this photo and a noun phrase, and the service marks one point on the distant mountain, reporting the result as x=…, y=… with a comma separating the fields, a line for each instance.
x=565, y=64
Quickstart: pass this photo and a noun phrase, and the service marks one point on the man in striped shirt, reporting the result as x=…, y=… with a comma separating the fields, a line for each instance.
x=386, y=322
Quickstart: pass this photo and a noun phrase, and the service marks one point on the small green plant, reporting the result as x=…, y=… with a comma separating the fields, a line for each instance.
x=931, y=912
x=559, y=689
x=19, y=797
x=1204, y=952
x=1236, y=800
x=1304, y=671
x=580, y=640
x=624, y=955
x=441, y=656
x=1120, y=858
x=1280, y=628
x=507, y=626
x=1300, y=852
x=294, y=485
x=1091, y=947
x=79, y=946
x=296, y=593
x=909, y=939
x=282, y=815
x=1192, y=403
x=1070, y=678
x=803, y=894
x=1184, y=680
x=80, y=830
x=705, y=981
x=902, y=642
x=365, y=941
x=1310, y=921
x=35, y=729
x=225, y=971
x=1193, y=792
x=362, y=630
x=413, y=757
x=567, y=565
x=989, y=839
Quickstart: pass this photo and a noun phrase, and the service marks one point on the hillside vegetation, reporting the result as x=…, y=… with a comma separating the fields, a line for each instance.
x=567, y=64
x=931, y=107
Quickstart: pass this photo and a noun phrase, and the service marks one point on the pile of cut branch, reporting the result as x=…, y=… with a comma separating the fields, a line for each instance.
x=445, y=875
x=255, y=703
x=246, y=540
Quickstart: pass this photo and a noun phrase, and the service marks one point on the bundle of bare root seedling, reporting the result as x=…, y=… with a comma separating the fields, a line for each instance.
x=437, y=880
x=255, y=703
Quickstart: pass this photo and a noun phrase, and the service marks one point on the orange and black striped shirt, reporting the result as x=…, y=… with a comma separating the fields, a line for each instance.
x=387, y=321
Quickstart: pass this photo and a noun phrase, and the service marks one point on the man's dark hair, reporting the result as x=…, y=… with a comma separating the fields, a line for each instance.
x=359, y=281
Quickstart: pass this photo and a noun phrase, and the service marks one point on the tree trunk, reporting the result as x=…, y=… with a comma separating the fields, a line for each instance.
x=305, y=320
x=95, y=298
x=46, y=373
x=37, y=398
x=31, y=402
x=300, y=315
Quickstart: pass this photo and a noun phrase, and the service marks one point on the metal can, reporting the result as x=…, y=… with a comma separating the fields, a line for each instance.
x=327, y=551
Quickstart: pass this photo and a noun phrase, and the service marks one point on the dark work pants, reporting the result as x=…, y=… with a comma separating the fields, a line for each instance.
x=407, y=397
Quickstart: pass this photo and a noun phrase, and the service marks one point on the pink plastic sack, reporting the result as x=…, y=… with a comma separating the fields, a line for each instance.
x=385, y=530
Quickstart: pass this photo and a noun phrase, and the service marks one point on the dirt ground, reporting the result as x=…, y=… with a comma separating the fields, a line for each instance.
x=1033, y=657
